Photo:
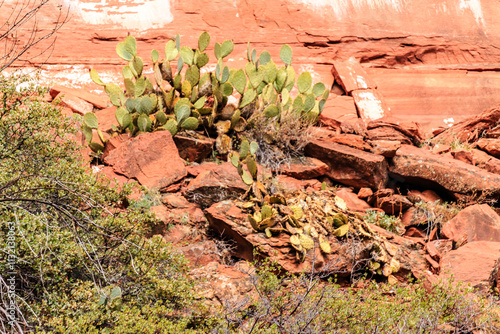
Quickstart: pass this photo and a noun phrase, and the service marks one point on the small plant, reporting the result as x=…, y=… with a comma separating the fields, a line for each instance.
x=387, y=222
x=186, y=97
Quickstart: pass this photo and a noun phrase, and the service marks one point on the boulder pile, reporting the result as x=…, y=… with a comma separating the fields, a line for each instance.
x=372, y=194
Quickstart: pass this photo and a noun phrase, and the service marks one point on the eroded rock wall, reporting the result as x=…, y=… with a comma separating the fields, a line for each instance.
x=432, y=60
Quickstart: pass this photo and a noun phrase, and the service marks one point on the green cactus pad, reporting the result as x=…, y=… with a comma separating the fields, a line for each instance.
x=144, y=105
x=324, y=245
x=96, y=147
x=171, y=126
x=239, y=81
x=309, y=102
x=155, y=55
x=266, y=211
x=121, y=115
x=138, y=65
x=318, y=89
x=248, y=98
x=217, y=50
x=161, y=118
x=247, y=178
x=186, y=88
x=253, y=148
x=304, y=82
x=264, y=58
x=271, y=111
x=180, y=64
x=182, y=113
x=286, y=54
x=253, y=222
x=171, y=51
x=341, y=231
x=166, y=71
x=202, y=60
x=200, y=102
x=203, y=41
x=290, y=78
x=87, y=132
x=193, y=75
x=235, y=118
x=187, y=55
x=270, y=72
x=143, y=122
x=298, y=104
x=127, y=50
x=227, y=89
x=244, y=149
x=90, y=120
x=226, y=48
x=95, y=77
x=252, y=166
x=190, y=123
x=129, y=86
x=235, y=159
x=306, y=241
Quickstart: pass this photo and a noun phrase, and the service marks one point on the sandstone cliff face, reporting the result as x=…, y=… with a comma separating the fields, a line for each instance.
x=431, y=60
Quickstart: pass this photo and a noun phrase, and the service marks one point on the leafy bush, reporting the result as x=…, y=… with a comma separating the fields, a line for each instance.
x=306, y=304
x=198, y=99
x=387, y=222
x=82, y=263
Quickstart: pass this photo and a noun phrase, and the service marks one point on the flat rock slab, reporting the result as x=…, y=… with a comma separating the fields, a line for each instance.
x=490, y=145
x=351, y=76
x=74, y=103
x=370, y=104
x=98, y=101
x=475, y=263
x=306, y=168
x=215, y=184
x=474, y=223
x=150, y=158
x=106, y=118
x=416, y=165
x=338, y=109
x=348, y=165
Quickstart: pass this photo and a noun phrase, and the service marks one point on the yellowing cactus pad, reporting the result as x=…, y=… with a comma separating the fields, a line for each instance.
x=306, y=241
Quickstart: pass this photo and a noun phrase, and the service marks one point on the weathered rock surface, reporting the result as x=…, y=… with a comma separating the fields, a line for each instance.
x=97, y=101
x=415, y=165
x=353, y=201
x=74, y=103
x=194, y=149
x=475, y=263
x=215, y=184
x=491, y=146
x=370, y=104
x=150, y=158
x=106, y=118
x=306, y=168
x=478, y=222
x=351, y=76
x=348, y=165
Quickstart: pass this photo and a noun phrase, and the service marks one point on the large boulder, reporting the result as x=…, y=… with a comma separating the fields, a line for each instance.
x=417, y=165
x=150, y=158
x=475, y=263
x=474, y=223
x=348, y=165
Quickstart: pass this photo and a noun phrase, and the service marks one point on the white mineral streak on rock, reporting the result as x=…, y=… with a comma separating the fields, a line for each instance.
x=342, y=8
x=130, y=14
x=372, y=106
x=475, y=7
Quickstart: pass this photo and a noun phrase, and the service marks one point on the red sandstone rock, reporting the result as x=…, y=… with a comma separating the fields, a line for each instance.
x=106, y=118
x=492, y=146
x=433, y=263
x=493, y=166
x=353, y=202
x=97, y=101
x=443, y=246
x=151, y=158
x=365, y=193
x=387, y=148
x=215, y=185
x=464, y=156
x=432, y=250
x=393, y=204
x=76, y=104
x=475, y=263
x=441, y=148
x=414, y=232
x=474, y=223
x=348, y=165
x=370, y=104
x=355, y=126
x=424, y=196
x=113, y=143
x=412, y=164
x=305, y=168
x=197, y=169
x=194, y=149
x=351, y=140
x=413, y=217
x=290, y=184
x=351, y=76
x=338, y=109
x=470, y=129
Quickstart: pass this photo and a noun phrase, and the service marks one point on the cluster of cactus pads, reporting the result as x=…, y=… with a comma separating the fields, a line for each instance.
x=314, y=220
x=186, y=96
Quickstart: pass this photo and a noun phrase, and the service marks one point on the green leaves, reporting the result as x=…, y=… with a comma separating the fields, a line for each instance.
x=239, y=81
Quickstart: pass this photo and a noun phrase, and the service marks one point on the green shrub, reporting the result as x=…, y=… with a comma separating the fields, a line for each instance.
x=387, y=222
x=306, y=304
x=76, y=245
x=187, y=97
